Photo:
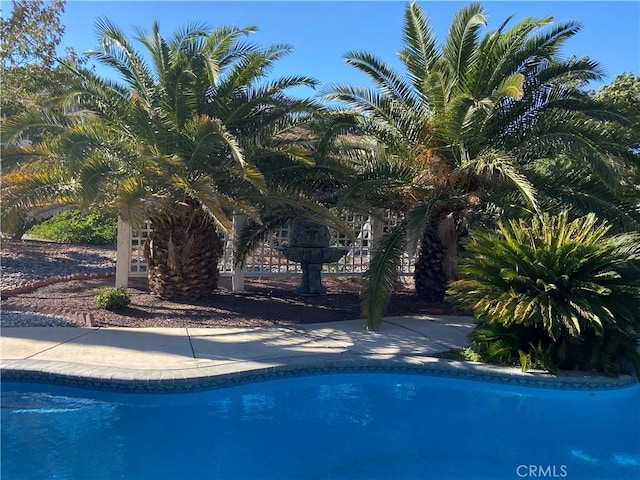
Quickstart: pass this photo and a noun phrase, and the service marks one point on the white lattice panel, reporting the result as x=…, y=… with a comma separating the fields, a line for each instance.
x=357, y=258
x=267, y=260
x=137, y=262
x=226, y=262
x=389, y=220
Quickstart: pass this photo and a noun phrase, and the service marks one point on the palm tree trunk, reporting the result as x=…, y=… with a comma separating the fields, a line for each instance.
x=429, y=277
x=182, y=254
x=439, y=248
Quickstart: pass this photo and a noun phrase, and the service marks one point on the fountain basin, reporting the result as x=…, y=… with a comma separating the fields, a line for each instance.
x=309, y=246
x=311, y=259
x=315, y=255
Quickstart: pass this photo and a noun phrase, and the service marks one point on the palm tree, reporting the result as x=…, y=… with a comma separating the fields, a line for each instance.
x=175, y=140
x=474, y=129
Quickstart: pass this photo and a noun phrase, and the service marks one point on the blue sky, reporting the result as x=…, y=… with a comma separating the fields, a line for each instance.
x=322, y=32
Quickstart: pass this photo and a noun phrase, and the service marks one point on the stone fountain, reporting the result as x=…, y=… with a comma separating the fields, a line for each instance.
x=309, y=246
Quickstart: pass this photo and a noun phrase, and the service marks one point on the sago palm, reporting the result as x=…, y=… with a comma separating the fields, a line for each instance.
x=560, y=286
x=173, y=137
x=466, y=132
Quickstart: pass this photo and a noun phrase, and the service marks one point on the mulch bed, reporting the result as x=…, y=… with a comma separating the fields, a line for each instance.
x=265, y=302
x=67, y=286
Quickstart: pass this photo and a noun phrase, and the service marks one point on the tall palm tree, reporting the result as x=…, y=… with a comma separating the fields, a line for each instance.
x=473, y=129
x=174, y=139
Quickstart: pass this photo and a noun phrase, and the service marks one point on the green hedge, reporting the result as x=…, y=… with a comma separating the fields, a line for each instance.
x=76, y=226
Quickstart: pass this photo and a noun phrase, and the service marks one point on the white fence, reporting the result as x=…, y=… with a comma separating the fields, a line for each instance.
x=267, y=260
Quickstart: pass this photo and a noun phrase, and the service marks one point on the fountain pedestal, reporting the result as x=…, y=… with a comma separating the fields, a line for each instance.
x=309, y=246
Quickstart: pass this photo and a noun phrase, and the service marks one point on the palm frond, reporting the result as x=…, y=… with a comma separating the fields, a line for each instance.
x=381, y=276
x=255, y=234
x=25, y=191
x=307, y=208
x=562, y=187
x=206, y=132
x=133, y=202
x=501, y=166
x=510, y=53
x=117, y=52
x=387, y=81
x=158, y=49
x=511, y=87
x=420, y=215
x=202, y=190
x=461, y=44
x=381, y=182
x=382, y=117
x=31, y=122
x=421, y=50
x=223, y=48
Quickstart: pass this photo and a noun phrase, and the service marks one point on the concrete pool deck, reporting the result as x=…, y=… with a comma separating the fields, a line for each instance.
x=189, y=358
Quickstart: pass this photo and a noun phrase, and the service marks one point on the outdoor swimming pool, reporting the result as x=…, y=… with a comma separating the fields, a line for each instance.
x=338, y=426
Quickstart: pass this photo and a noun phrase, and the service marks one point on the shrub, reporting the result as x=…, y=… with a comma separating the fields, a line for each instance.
x=553, y=293
x=112, y=298
x=76, y=226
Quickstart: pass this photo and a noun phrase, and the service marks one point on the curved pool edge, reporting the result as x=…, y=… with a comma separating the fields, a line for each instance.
x=200, y=378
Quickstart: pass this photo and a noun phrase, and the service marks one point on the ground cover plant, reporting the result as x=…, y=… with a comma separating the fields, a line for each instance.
x=76, y=226
x=553, y=293
x=112, y=298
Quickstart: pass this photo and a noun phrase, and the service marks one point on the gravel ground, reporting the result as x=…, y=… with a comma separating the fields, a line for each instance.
x=22, y=263
x=33, y=319
x=27, y=261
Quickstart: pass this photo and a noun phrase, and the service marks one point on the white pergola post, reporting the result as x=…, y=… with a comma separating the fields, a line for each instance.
x=123, y=253
x=238, y=273
x=377, y=228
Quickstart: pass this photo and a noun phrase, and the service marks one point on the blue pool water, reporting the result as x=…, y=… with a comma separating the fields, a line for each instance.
x=340, y=426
